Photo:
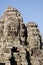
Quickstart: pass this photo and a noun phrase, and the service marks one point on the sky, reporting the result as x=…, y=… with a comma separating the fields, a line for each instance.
x=31, y=10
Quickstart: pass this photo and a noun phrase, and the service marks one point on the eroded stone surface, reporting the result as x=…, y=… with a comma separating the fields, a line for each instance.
x=20, y=44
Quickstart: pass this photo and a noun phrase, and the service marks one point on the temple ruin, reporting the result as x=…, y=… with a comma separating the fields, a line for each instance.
x=20, y=44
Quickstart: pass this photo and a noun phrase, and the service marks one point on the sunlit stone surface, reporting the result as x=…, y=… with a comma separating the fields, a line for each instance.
x=20, y=44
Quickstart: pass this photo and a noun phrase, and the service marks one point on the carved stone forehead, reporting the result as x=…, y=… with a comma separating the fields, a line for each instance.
x=12, y=13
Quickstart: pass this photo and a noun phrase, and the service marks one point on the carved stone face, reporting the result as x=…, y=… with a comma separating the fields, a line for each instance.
x=23, y=32
x=11, y=30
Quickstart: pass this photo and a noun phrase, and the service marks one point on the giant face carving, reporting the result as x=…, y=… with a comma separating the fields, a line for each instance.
x=11, y=30
x=23, y=32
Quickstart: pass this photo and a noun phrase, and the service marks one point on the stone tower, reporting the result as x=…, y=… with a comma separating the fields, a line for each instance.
x=34, y=38
x=19, y=44
x=12, y=38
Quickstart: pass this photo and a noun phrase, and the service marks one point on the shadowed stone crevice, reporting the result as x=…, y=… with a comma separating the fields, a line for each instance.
x=40, y=43
x=2, y=63
x=12, y=60
x=28, y=57
x=24, y=33
x=14, y=50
